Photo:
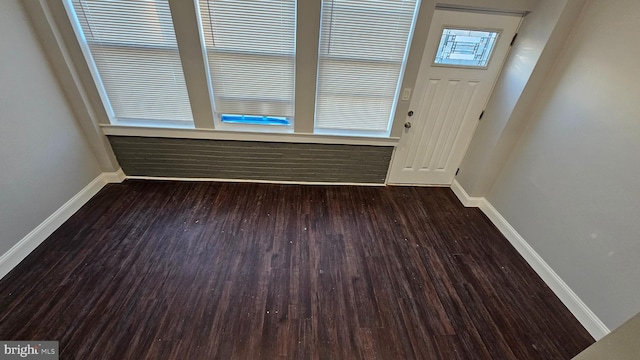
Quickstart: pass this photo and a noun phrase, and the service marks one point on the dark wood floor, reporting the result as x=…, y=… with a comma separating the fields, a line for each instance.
x=168, y=270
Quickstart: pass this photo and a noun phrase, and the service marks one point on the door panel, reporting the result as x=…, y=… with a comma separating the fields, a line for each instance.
x=447, y=103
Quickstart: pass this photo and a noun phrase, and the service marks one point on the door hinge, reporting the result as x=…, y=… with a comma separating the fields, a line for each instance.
x=514, y=39
x=457, y=171
x=481, y=115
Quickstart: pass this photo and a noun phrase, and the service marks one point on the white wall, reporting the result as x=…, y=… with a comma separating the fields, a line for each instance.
x=44, y=159
x=541, y=38
x=571, y=186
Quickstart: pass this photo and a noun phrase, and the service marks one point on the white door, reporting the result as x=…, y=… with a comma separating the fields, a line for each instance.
x=452, y=88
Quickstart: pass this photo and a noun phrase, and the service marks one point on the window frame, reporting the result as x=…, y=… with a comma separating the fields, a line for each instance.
x=360, y=60
x=84, y=45
x=53, y=26
x=217, y=115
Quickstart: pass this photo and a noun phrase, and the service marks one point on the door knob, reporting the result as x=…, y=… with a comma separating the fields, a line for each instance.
x=410, y=113
x=407, y=125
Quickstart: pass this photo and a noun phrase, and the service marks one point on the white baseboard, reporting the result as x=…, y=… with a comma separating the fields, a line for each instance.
x=465, y=199
x=114, y=177
x=250, y=181
x=578, y=308
x=27, y=244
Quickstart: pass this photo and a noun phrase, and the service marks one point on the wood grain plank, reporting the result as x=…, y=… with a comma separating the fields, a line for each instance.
x=176, y=270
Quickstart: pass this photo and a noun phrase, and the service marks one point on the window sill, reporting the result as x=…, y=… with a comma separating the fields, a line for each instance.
x=251, y=128
x=210, y=134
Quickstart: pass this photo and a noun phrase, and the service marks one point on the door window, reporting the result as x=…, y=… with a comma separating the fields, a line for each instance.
x=466, y=47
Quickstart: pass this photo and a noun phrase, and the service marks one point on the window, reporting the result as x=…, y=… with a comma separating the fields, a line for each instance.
x=363, y=48
x=133, y=46
x=468, y=48
x=240, y=63
x=251, y=54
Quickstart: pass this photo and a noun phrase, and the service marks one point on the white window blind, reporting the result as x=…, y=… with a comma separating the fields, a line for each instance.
x=251, y=55
x=133, y=45
x=361, y=57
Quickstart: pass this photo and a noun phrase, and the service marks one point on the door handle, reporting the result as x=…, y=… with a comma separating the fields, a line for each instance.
x=407, y=125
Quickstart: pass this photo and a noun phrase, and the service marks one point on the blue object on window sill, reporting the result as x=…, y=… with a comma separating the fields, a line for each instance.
x=254, y=120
